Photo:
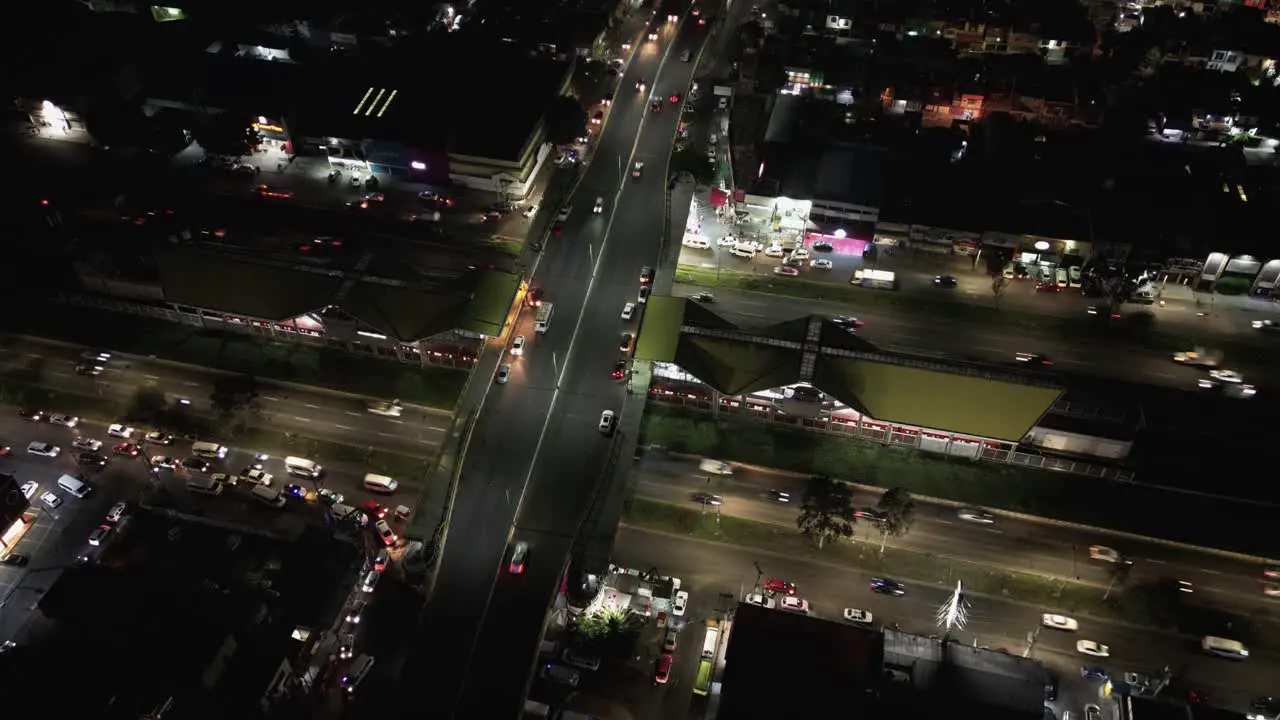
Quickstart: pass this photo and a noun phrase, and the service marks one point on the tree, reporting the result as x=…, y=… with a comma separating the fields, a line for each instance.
x=147, y=405
x=1119, y=572
x=226, y=134
x=566, y=120
x=609, y=632
x=827, y=510
x=897, y=512
x=696, y=165
x=235, y=399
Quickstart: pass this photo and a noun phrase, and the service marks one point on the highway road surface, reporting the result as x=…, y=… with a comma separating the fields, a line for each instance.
x=1042, y=548
x=709, y=569
x=485, y=620
x=313, y=412
x=922, y=333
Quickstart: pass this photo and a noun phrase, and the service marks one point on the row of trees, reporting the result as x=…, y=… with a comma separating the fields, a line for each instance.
x=234, y=401
x=827, y=512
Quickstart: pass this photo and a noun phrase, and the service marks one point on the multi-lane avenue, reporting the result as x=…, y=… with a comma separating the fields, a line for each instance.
x=901, y=330
x=309, y=411
x=535, y=456
x=709, y=569
x=1049, y=549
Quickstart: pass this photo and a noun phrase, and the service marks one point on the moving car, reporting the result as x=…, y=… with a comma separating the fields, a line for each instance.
x=786, y=270
x=778, y=496
x=1089, y=647
x=703, y=297
x=597, y=117
x=87, y=444
x=974, y=515
x=31, y=415
x=163, y=461
x=781, y=587
x=774, y=251
x=126, y=448
x=89, y=369
x=159, y=438
x=1105, y=554
x=517, y=346
x=761, y=601
x=256, y=477
x=598, y=208
x=822, y=246
x=53, y=501
x=29, y=488
x=44, y=449
x=1093, y=672
x=121, y=431
x=888, y=586
x=619, y=370
x=1059, y=622
x=91, y=458
x=670, y=640
x=195, y=464
x=646, y=275
x=99, y=534
x=704, y=498
x=116, y=512
x=638, y=168
x=625, y=345
x=944, y=281
x=64, y=420
x=563, y=213
x=605, y=426
x=503, y=374
x=643, y=294
x=628, y=311
x=854, y=615
x=518, y=557
x=1032, y=359
x=385, y=533
x=821, y=264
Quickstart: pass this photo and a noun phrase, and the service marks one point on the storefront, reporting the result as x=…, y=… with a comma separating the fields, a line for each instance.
x=944, y=241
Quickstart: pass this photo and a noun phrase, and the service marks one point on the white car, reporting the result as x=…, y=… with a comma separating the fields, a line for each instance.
x=821, y=264
x=974, y=515
x=257, y=476
x=87, y=444
x=1226, y=376
x=1059, y=622
x=99, y=534
x=800, y=254
x=163, y=461
x=529, y=211
x=628, y=311
x=1089, y=647
x=158, y=438
x=44, y=449
x=679, y=603
x=29, y=488
x=120, y=431
x=761, y=601
x=774, y=251
x=1104, y=553
x=599, y=206
x=384, y=408
x=53, y=501
x=517, y=346
x=503, y=375
x=116, y=512
x=791, y=603
x=64, y=420
x=605, y=425
x=854, y=615
x=564, y=213
x=727, y=241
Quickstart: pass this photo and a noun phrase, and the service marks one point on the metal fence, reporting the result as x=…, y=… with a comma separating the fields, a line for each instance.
x=934, y=443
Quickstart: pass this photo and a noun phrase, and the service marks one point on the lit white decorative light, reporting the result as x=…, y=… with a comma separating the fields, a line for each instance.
x=954, y=613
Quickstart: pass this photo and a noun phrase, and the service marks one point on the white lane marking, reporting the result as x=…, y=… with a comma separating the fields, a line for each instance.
x=268, y=397
x=436, y=429
x=944, y=522
x=301, y=419
x=343, y=427
x=151, y=377
x=398, y=422
x=309, y=405
x=387, y=435
x=354, y=414
x=34, y=355
x=188, y=383
x=1157, y=562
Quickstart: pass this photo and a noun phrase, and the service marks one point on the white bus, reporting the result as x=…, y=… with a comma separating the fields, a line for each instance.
x=1222, y=647
x=711, y=641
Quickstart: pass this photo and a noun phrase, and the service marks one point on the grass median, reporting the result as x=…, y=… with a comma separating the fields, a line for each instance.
x=1073, y=498
x=1139, y=326
x=410, y=470
x=1147, y=606
x=290, y=362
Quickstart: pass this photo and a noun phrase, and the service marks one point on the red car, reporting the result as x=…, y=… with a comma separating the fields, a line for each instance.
x=1048, y=287
x=373, y=509
x=126, y=448
x=662, y=668
x=774, y=585
x=557, y=229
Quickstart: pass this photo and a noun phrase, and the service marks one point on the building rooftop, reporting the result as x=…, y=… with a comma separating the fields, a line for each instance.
x=784, y=665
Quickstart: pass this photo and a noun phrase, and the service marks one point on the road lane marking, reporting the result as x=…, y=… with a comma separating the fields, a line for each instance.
x=151, y=377
x=354, y=414
x=35, y=355
x=436, y=429
x=343, y=427
x=301, y=419
x=398, y=422
x=268, y=397
x=188, y=383
x=309, y=405
x=387, y=435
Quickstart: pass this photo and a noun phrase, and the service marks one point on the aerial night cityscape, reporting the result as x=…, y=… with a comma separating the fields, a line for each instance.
x=641, y=360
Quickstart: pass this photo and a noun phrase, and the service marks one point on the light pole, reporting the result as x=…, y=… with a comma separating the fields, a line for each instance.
x=953, y=614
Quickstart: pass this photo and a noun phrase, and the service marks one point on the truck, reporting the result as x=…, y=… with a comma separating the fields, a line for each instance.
x=542, y=317
x=1199, y=357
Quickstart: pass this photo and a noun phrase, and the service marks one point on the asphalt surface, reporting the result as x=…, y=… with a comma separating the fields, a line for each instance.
x=486, y=620
x=709, y=569
x=58, y=536
x=925, y=334
x=308, y=411
x=1041, y=548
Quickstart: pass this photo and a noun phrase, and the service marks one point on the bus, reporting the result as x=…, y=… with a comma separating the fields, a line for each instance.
x=542, y=317
x=709, y=645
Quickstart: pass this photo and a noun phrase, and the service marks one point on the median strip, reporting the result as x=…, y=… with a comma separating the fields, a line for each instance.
x=1070, y=498
x=408, y=469
x=1154, y=606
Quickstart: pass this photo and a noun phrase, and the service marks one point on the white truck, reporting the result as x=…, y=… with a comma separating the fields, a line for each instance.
x=1199, y=357
x=542, y=317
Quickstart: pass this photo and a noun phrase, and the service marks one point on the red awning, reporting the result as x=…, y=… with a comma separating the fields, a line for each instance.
x=718, y=197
